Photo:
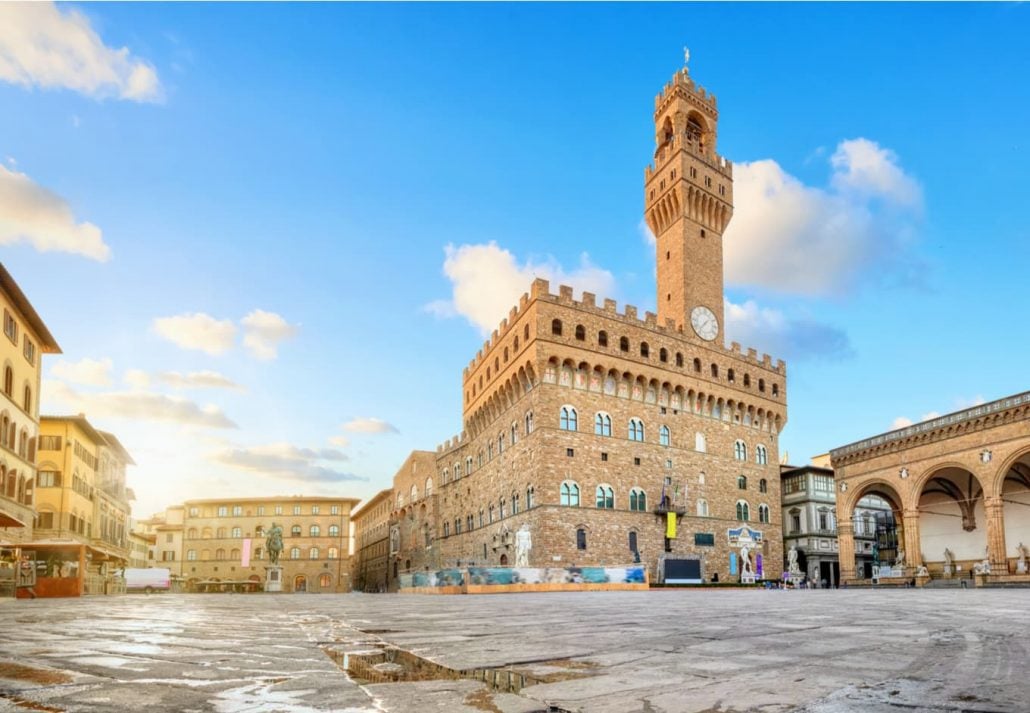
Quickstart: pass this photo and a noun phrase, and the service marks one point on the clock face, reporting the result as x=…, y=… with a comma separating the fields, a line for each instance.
x=705, y=323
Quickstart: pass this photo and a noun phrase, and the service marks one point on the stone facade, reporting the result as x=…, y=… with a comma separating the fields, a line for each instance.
x=316, y=542
x=591, y=425
x=371, y=543
x=959, y=482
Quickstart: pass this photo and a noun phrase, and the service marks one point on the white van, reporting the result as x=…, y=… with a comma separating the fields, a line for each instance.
x=156, y=579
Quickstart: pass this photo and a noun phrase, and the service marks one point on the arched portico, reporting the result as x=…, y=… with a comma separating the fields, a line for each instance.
x=1014, y=506
x=868, y=539
x=953, y=516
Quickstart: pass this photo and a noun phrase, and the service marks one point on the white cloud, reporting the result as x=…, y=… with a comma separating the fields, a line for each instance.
x=87, y=372
x=30, y=213
x=772, y=332
x=198, y=380
x=41, y=46
x=286, y=461
x=198, y=331
x=263, y=331
x=340, y=441
x=133, y=405
x=487, y=282
x=136, y=378
x=369, y=425
x=646, y=234
x=790, y=237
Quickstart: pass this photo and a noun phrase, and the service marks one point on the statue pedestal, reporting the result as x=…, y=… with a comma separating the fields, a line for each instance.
x=274, y=578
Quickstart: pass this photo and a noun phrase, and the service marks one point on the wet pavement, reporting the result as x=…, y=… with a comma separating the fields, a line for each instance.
x=619, y=652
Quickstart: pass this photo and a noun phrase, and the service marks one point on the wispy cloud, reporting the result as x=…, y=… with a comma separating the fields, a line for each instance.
x=369, y=425
x=264, y=331
x=197, y=331
x=86, y=372
x=33, y=214
x=50, y=48
x=487, y=281
x=793, y=238
x=958, y=405
x=133, y=405
x=288, y=462
x=198, y=380
x=783, y=337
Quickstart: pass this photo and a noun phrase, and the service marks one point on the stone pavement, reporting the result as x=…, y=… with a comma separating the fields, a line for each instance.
x=619, y=652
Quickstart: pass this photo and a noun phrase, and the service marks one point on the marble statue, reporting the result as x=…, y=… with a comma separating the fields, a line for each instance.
x=792, y=560
x=745, y=561
x=523, y=544
x=922, y=571
x=274, y=543
x=949, y=562
x=984, y=567
x=899, y=561
x=1021, y=564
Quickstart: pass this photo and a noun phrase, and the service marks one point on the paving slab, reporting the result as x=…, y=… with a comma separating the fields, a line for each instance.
x=657, y=652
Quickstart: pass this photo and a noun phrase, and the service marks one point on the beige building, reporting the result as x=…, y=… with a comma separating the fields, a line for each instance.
x=83, y=503
x=959, y=484
x=224, y=549
x=25, y=339
x=593, y=426
x=371, y=543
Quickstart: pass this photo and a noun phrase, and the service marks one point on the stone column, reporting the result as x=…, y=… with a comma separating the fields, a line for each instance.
x=996, y=535
x=913, y=548
x=846, y=550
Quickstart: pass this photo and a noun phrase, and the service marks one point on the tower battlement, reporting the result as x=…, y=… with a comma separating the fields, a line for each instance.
x=683, y=84
x=668, y=150
x=540, y=290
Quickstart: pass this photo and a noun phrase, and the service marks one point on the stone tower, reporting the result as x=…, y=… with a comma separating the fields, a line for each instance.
x=688, y=199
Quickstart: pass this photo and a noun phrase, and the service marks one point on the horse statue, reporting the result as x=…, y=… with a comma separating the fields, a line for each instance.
x=274, y=543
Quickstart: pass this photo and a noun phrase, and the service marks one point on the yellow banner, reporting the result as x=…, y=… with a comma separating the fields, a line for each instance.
x=670, y=525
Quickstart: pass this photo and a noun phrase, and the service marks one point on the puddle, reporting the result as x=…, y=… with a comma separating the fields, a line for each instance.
x=391, y=665
x=18, y=672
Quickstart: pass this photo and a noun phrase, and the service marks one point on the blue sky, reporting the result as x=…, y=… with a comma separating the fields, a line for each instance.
x=294, y=174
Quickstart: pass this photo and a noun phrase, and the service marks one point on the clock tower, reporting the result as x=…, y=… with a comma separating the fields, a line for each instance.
x=688, y=202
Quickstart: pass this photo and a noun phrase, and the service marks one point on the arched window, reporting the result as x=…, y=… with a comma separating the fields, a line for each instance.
x=636, y=429
x=219, y=554
x=763, y=486
x=514, y=503
x=556, y=327
x=221, y=533
x=715, y=371
x=763, y=513
x=468, y=466
x=702, y=508
x=334, y=553
x=605, y=497
x=314, y=531
x=761, y=455
x=581, y=539
x=730, y=376
x=632, y=541
x=294, y=553
x=529, y=422
x=237, y=532
x=741, y=482
x=530, y=492
x=645, y=351
x=637, y=500
x=697, y=365
x=747, y=380
x=740, y=450
x=446, y=529
x=500, y=444
x=623, y=344
x=514, y=433
x=191, y=534
x=294, y=531
x=679, y=359
x=700, y=444
x=234, y=554
x=567, y=420
x=663, y=354
x=191, y=555
x=28, y=399
x=325, y=580
x=602, y=424
x=761, y=385
x=663, y=436
x=775, y=389
x=334, y=531
x=581, y=333
x=602, y=338
x=743, y=511
x=9, y=381
x=569, y=494
x=313, y=553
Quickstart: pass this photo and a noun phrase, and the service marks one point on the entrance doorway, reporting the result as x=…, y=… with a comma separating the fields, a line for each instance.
x=829, y=573
x=300, y=583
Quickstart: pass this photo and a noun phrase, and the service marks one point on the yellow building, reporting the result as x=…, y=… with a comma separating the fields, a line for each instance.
x=224, y=543
x=82, y=525
x=25, y=339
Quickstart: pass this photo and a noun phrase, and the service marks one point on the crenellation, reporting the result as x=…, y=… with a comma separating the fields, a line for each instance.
x=781, y=366
x=610, y=305
x=630, y=311
x=565, y=293
x=735, y=347
x=752, y=354
x=651, y=320
x=590, y=300
x=539, y=288
x=766, y=361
